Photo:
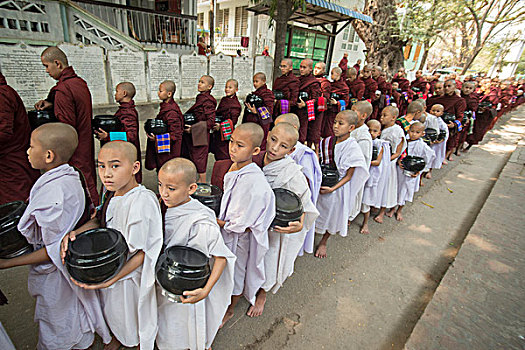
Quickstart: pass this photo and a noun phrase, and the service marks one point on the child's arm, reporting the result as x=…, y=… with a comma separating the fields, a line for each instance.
x=194, y=296
x=37, y=257
x=221, y=223
x=91, y=224
x=293, y=226
x=130, y=266
x=345, y=179
x=378, y=160
x=399, y=149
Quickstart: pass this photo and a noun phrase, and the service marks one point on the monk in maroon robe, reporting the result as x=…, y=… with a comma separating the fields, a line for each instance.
x=357, y=66
x=310, y=130
x=229, y=109
x=171, y=114
x=340, y=88
x=17, y=176
x=453, y=104
x=420, y=83
x=204, y=112
x=263, y=115
x=320, y=75
x=288, y=84
x=343, y=64
x=386, y=91
x=356, y=86
x=70, y=100
x=370, y=89
x=472, y=102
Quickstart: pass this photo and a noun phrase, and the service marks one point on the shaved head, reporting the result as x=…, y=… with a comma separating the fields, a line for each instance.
x=253, y=131
x=352, y=71
x=287, y=129
x=289, y=118
x=349, y=116
x=169, y=85
x=234, y=82
x=260, y=75
x=52, y=54
x=308, y=62
x=373, y=122
x=184, y=168
x=392, y=110
x=60, y=138
x=417, y=126
x=414, y=107
x=321, y=66
x=209, y=79
x=130, y=88
x=363, y=107
x=124, y=148
x=337, y=70
x=287, y=61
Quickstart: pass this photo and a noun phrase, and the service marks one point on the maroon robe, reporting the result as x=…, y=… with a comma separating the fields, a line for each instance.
x=357, y=68
x=452, y=104
x=268, y=102
x=381, y=102
x=71, y=101
x=325, y=92
x=171, y=114
x=357, y=88
x=404, y=84
x=204, y=110
x=421, y=84
x=288, y=84
x=432, y=87
x=339, y=87
x=309, y=130
x=229, y=108
x=343, y=64
x=472, y=103
x=17, y=176
x=370, y=94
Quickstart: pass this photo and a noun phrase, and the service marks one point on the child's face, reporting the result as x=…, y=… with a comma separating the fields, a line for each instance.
x=120, y=94
x=230, y=89
x=342, y=126
x=375, y=131
x=173, y=190
x=395, y=86
x=241, y=147
x=335, y=76
x=439, y=89
x=415, y=133
x=116, y=171
x=278, y=145
x=163, y=94
x=387, y=118
x=36, y=153
x=436, y=110
x=203, y=85
x=258, y=82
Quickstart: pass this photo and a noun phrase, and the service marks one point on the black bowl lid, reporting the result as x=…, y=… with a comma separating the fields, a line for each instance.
x=9, y=211
x=286, y=201
x=105, y=117
x=154, y=122
x=186, y=256
x=95, y=242
x=207, y=190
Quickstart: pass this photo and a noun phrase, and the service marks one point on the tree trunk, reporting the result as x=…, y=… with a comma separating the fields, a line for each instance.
x=280, y=40
x=382, y=38
x=425, y=56
x=471, y=59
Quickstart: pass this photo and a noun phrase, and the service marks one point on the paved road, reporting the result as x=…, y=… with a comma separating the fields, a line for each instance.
x=371, y=290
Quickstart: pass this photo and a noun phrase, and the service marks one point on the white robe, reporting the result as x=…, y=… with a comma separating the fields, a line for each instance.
x=376, y=183
x=194, y=326
x=440, y=148
x=67, y=315
x=306, y=157
x=130, y=304
x=408, y=185
x=248, y=208
x=394, y=135
x=364, y=140
x=334, y=207
x=283, y=248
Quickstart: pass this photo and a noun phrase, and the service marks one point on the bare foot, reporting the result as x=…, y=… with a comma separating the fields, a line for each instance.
x=321, y=251
x=421, y=184
x=450, y=159
x=445, y=162
x=428, y=175
x=349, y=223
x=257, y=309
x=390, y=213
x=379, y=218
x=227, y=316
x=364, y=229
x=399, y=216
x=114, y=344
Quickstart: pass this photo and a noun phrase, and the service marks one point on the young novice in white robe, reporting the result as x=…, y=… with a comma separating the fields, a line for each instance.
x=408, y=185
x=435, y=121
x=193, y=323
x=284, y=242
x=309, y=161
x=395, y=135
x=129, y=298
x=247, y=211
x=336, y=202
x=379, y=173
x=364, y=140
x=67, y=315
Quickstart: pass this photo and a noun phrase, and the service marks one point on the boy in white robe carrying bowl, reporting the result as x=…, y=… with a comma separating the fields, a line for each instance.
x=129, y=298
x=193, y=323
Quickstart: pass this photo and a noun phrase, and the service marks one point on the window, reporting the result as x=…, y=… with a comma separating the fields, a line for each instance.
x=241, y=21
x=343, y=46
x=200, y=20
x=345, y=34
x=23, y=25
x=223, y=17
x=35, y=27
x=11, y=23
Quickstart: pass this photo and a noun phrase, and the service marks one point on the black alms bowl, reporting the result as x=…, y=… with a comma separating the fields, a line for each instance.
x=448, y=117
x=189, y=119
x=156, y=126
x=181, y=269
x=254, y=100
x=210, y=196
x=413, y=164
x=431, y=134
x=442, y=135
x=335, y=96
x=375, y=152
x=279, y=95
x=12, y=242
x=288, y=207
x=303, y=95
x=37, y=118
x=330, y=175
x=106, y=122
x=219, y=118
x=96, y=255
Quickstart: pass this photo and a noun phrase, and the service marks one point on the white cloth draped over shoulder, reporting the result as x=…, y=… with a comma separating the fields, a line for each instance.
x=130, y=304
x=248, y=208
x=440, y=148
x=394, y=135
x=306, y=157
x=376, y=183
x=194, y=326
x=364, y=140
x=284, y=248
x=334, y=207
x=67, y=315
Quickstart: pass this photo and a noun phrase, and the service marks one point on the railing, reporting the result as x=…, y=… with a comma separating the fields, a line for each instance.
x=230, y=45
x=145, y=25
